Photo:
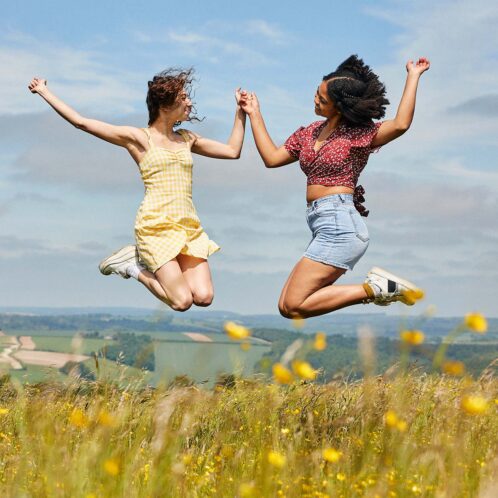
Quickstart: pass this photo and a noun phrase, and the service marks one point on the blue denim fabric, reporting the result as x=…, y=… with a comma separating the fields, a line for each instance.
x=340, y=236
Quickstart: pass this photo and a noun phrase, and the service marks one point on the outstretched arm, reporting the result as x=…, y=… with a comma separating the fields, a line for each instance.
x=231, y=149
x=392, y=129
x=125, y=136
x=272, y=156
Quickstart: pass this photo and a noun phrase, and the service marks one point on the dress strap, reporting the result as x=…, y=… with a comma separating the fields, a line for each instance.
x=147, y=132
x=185, y=135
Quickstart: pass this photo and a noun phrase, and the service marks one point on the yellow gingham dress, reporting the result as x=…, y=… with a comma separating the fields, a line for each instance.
x=167, y=223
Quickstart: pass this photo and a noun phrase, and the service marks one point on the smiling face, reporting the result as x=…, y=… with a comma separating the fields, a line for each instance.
x=182, y=107
x=323, y=104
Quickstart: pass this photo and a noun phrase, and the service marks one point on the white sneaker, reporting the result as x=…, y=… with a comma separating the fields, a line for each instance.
x=389, y=288
x=119, y=261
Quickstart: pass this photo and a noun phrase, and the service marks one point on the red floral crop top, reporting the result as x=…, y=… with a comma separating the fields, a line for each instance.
x=340, y=159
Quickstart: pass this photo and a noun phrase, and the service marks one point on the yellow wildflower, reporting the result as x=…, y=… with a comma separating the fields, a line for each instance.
x=247, y=490
x=276, y=459
x=236, y=332
x=298, y=322
x=4, y=411
x=111, y=466
x=476, y=322
x=320, y=341
x=340, y=476
x=245, y=346
x=331, y=455
x=412, y=337
x=455, y=368
x=390, y=418
x=282, y=374
x=474, y=404
x=412, y=296
x=401, y=425
x=78, y=418
x=304, y=370
x=106, y=419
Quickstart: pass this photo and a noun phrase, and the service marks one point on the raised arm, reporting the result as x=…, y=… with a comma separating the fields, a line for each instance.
x=231, y=149
x=125, y=136
x=272, y=156
x=394, y=128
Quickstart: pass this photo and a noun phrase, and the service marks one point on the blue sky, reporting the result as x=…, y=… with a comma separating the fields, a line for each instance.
x=67, y=200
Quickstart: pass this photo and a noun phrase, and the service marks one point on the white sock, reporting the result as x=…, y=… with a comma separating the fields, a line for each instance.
x=134, y=270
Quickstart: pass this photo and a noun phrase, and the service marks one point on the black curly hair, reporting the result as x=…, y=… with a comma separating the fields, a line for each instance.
x=356, y=92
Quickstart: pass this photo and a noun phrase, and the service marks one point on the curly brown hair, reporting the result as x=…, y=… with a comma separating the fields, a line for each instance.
x=165, y=89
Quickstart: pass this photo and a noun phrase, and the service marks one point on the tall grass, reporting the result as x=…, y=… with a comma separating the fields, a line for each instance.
x=406, y=436
x=402, y=434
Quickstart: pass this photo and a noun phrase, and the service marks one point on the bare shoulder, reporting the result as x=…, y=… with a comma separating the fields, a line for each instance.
x=192, y=136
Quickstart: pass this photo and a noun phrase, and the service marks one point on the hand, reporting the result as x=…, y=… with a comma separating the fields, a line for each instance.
x=37, y=85
x=418, y=67
x=238, y=94
x=249, y=103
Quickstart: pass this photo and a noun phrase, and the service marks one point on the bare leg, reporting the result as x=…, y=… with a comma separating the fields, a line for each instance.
x=309, y=291
x=198, y=277
x=169, y=285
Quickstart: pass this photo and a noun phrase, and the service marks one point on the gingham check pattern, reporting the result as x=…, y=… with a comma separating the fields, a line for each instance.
x=167, y=223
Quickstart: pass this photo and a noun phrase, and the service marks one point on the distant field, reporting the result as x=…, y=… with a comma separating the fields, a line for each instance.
x=204, y=361
x=35, y=373
x=200, y=356
x=69, y=344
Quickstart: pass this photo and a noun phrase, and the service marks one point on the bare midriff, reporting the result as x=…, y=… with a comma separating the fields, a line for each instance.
x=314, y=192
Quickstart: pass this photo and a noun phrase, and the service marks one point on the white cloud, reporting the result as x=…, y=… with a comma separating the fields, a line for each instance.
x=85, y=78
x=267, y=30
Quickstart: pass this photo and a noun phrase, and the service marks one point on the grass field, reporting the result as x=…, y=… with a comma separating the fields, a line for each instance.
x=176, y=354
x=204, y=361
x=69, y=344
x=407, y=436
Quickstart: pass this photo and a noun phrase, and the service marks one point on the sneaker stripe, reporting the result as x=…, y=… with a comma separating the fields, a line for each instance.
x=390, y=276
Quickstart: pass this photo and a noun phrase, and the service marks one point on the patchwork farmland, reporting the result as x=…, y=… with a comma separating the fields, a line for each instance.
x=200, y=357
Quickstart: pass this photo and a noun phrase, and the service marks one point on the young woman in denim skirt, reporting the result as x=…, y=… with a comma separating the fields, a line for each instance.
x=332, y=153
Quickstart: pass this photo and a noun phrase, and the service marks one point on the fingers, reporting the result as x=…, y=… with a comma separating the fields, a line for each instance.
x=34, y=84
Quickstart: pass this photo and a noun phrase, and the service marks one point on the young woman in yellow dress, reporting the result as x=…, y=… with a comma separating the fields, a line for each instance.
x=170, y=256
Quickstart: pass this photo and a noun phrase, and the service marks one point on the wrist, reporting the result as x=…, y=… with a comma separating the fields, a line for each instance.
x=43, y=92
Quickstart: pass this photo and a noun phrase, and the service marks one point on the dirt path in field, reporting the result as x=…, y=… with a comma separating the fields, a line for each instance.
x=46, y=358
x=195, y=336
x=6, y=354
x=27, y=342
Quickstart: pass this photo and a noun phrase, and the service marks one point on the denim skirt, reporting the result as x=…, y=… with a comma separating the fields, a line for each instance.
x=340, y=236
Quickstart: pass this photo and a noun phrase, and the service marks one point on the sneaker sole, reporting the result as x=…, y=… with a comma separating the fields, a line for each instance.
x=380, y=272
x=118, y=257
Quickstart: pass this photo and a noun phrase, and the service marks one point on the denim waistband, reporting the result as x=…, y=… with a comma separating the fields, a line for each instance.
x=335, y=199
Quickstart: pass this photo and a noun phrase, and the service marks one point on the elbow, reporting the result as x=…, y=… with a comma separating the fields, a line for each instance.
x=80, y=124
x=234, y=154
x=402, y=127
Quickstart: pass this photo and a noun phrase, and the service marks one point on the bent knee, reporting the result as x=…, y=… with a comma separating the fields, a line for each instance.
x=203, y=297
x=290, y=309
x=181, y=303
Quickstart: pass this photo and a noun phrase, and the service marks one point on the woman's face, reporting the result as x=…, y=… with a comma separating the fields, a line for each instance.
x=323, y=105
x=182, y=107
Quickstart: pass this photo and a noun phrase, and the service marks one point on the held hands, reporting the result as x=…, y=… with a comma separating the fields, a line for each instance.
x=37, y=85
x=419, y=67
x=248, y=102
